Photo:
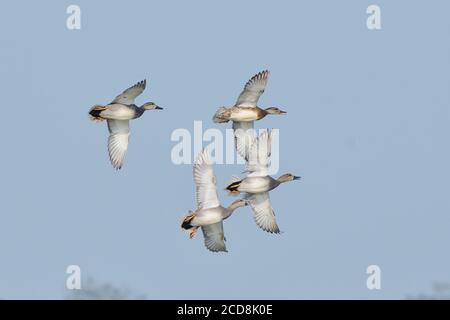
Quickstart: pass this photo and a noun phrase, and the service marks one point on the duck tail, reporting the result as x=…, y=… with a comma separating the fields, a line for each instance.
x=186, y=224
x=95, y=113
x=222, y=115
x=233, y=186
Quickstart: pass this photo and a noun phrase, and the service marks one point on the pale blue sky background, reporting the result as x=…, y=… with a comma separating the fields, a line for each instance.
x=367, y=129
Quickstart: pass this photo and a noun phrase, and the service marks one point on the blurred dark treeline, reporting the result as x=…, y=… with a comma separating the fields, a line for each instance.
x=92, y=290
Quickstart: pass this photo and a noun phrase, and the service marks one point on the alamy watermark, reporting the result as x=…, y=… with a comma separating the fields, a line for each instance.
x=222, y=146
x=73, y=21
x=73, y=281
x=373, y=281
x=373, y=22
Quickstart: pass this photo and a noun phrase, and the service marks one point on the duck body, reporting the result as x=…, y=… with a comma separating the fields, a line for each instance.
x=203, y=217
x=117, y=111
x=257, y=184
x=246, y=114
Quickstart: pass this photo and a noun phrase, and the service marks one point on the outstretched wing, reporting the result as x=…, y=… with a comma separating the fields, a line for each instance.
x=244, y=126
x=127, y=97
x=256, y=152
x=119, y=134
x=205, y=182
x=263, y=212
x=214, y=237
x=253, y=89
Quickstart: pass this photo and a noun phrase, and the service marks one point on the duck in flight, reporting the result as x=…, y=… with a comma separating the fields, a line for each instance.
x=118, y=115
x=210, y=214
x=258, y=183
x=245, y=111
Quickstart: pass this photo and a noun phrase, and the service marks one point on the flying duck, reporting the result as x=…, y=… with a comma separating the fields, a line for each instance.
x=118, y=115
x=246, y=111
x=258, y=183
x=209, y=214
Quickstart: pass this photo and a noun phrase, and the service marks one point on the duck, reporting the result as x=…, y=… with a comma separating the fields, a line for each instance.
x=118, y=114
x=210, y=214
x=245, y=111
x=257, y=184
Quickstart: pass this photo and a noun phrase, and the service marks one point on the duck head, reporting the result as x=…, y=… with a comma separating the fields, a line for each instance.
x=151, y=106
x=288, y=177
x=238, y=203
x=275, y=110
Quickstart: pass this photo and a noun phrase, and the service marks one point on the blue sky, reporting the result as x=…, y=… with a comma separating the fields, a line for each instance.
x=367, y=129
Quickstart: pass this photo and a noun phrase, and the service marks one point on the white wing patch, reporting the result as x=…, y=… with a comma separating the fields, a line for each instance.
x=263, y=212
x=205, y=181
x=214, y=237
x=253, y=89
x=127, y=97
x=119, y=134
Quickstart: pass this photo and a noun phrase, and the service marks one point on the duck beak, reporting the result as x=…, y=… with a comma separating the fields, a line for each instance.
x=282, y=112
x=297, y=178
x=158, y=108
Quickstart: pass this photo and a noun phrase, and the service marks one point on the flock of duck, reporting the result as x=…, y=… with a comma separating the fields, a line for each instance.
x=255, y=149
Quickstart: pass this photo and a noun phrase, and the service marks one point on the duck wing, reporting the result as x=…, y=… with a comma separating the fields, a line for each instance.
x=214, y=237
x=205, y=181
x=253, y=89
x=119, y=134
x=245, y=133
x=243, y=126
x=256, y=151
x=263, y=212
x=127, y=97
